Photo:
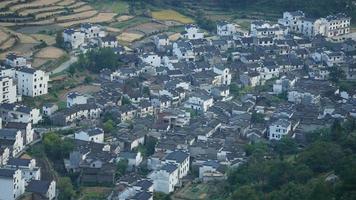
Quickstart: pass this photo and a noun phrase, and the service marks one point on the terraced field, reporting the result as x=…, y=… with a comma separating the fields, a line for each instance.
x=48, y=12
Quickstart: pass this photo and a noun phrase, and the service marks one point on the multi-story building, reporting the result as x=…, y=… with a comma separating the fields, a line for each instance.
x=74, y=38
x=224, y=28
x=278, y=129
x=29, y=169
x=192, y=32
x=91, y=30
x=330, y=26
x=31, y=82
x=12, y=184
x=7, y=90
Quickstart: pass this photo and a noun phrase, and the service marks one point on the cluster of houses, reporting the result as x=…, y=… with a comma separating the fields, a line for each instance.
x=199, y=98
x=89, y=36
x=183, y=94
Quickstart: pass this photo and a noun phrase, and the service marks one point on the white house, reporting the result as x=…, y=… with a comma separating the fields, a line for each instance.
x=45, y=189
x=192, y=32
x=31, y=82
x=14, y=138
x=336, y=25
x=330, y=26
x=134, y=159
x=161, y=41
x=7, y=90
x=91, y=135
x=279, y=128
x=19, y=113
x=29, y=169
x=224, y=28
x=182, y=160
x=25, y=128
x=265, y=29
x=200, y=101
x=108, y=42
x=74, y=98
x=225, y=74
x=151, y=59
x=333, y=58
x=49, y=108
x=12, y=184
x=291, y=20
x=91, y=30
x=165, y=179
x=14, y=60
x=4, y=155
x=211, y=170
x=74, y=38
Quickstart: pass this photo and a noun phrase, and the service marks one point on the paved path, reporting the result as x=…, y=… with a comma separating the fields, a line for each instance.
x=65, y=65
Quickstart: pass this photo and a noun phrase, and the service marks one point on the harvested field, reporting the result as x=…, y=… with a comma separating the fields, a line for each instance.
x=123, y=18
x=148, y=28
x=26, y=39
x=50, y=40
x=171, y=15
x=78, y=16
x=37, y=62
x=174, y=36
x=83, y=8
x=47, y=29
x=3, y=4
x=7, y=24
x=48, y=14
x=101, y=17
x=8, y=44
x=84, y=89
x=66, y=2
x=38, y=10
x=111, y=29
x=129, y=36
x=3, y=36
x=50, y=53
x=33, y=4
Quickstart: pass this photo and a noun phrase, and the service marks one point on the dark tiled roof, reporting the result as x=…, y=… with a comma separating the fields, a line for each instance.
x=19, y=162
x=38, y=186
x=178, y=156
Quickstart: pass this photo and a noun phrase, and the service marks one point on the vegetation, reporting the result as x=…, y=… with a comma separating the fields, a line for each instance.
x=320, y=171
x=96, y=60
x=57, y=148
x=65, y=189
x=148, y=148
x=121, y=167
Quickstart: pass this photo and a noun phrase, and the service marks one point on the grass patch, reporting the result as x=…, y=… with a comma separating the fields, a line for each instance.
x=119, y=6
x=97, y=193
x=131, y=22
x=171, y=15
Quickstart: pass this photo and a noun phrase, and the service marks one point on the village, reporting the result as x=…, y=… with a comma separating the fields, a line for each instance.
x=174, y=110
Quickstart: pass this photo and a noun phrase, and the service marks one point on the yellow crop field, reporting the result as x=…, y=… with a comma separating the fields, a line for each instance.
x=171, y=15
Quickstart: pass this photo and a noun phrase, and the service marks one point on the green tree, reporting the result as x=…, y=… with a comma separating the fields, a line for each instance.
x=336, y=74
x=285, y=146
x=55, y=147
x=60, y=40
x=321, y=156
x=121, y=167
x=109, y=126
x=65, y=189
x=246, y=193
